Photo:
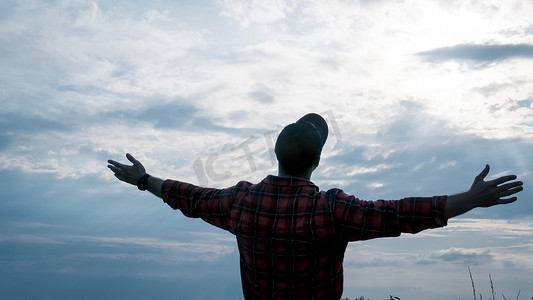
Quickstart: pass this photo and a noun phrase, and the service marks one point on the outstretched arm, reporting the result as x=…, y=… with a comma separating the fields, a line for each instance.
x=132, y=174
x=483, y=194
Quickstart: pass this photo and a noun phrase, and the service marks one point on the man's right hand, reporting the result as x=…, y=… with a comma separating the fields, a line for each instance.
x=489, y=193
x=483, y=194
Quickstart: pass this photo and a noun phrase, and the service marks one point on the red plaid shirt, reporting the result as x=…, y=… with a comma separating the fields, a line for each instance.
x=292, y=236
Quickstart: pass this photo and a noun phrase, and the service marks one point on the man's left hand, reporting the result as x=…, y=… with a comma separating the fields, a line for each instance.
x=129, y=174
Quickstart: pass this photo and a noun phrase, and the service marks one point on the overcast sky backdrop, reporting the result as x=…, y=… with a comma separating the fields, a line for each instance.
x=419, y=96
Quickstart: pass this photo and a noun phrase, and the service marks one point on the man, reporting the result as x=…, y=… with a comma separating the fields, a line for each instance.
x=292, y=236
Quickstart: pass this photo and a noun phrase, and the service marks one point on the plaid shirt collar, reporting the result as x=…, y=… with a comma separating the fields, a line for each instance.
x=288, y=181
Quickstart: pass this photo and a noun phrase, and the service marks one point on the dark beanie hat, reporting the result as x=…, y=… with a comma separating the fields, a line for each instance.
x=299, y=144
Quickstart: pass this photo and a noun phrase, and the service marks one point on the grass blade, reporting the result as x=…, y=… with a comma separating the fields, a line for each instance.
x=472, y=279
x=492, y=288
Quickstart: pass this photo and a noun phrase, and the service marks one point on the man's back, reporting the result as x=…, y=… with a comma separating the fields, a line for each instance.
x=291, y=236
x=287, y=243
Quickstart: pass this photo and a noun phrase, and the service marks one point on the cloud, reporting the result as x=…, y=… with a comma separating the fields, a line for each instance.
x=478, y=53
x=373, y=263
x=458, y=256
x=207, y=247
x=247, y=12
x=507, y=228
x=494, y=88
x=167, y=114
x=514, y=105
x=262, y=94
x=20, y=124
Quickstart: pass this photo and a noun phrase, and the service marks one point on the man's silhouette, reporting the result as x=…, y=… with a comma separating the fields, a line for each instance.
x=292, y=236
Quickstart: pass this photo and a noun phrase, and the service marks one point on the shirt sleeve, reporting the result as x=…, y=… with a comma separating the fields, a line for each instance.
x=210, y=204
x=362, y=220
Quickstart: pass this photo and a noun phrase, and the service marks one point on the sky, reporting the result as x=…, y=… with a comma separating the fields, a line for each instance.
x=418, y=96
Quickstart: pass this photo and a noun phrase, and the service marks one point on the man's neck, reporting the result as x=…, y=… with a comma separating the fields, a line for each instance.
x=304, y=175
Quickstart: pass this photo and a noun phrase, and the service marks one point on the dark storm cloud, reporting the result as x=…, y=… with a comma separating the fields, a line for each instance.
x=478, y=53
